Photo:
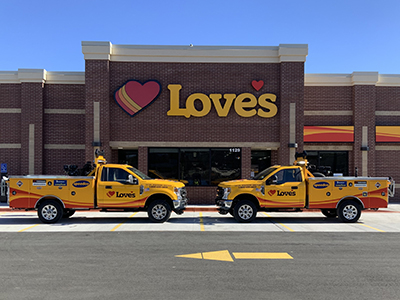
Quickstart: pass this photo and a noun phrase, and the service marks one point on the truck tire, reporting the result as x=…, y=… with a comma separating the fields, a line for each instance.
x=349, y=211
x=159, y=211
x=50, y=211
x=329, y=213
x=245, y=211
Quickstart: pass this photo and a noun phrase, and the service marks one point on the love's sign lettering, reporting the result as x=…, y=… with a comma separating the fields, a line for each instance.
x=244, y=104
x=134, y=96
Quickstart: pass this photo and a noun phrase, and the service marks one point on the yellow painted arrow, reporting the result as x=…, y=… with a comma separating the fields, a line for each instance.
x=214, y=255
x=224, y=255
x=261, y=255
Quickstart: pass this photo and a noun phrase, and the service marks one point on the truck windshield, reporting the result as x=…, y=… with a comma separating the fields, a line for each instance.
x=138, y=173
x=265, y=173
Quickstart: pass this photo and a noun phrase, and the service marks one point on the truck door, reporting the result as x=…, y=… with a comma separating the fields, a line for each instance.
x=114, y=190
x=285, y=188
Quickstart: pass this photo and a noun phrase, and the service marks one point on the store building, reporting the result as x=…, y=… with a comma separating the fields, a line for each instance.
x=200, y=114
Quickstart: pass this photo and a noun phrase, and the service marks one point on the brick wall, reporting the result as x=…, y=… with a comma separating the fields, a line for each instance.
x=328, y=98
x=31, y=127
x=10, y=98
x=153, y=124
x=388, y=163
x=63, y=128
x=97, y=83
x=33, y=99
x=201, y=195
x=57, y=158
x=292, y=91
x=364, y=116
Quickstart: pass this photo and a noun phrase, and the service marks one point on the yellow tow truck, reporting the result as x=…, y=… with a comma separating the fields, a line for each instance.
x=292, y=188
x=108, y=187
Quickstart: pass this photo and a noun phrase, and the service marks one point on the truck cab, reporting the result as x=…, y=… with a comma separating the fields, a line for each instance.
x=282, y=187
x=125, y=187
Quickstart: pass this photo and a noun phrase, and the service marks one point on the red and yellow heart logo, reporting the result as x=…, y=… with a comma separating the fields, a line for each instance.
x=110, y=194
x=257, y=85
x=271, y=192
x=133, y=96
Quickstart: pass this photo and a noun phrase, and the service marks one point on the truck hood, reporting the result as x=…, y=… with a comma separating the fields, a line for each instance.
x=171, y=183
x=240, y=182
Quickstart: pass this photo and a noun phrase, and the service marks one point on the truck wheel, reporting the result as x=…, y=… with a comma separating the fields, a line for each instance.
x=68, y=213
x=159, y=211
x=50, y=211
x=329, y=213
x=349, y=211
x=245, y=211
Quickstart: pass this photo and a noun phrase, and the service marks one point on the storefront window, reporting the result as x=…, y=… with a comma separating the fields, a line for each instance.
x=328, y=162
x=129, y=157
x=163, y=163
x=195, y=166
x=225, y=165
x=260, y=160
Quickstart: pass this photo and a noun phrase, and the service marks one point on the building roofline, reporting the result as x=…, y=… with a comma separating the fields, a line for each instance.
x=355, y=78
x=196, y=54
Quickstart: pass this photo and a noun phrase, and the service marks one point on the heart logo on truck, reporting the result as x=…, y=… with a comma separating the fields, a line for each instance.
x=271, y=192
x=134, y=96
x=110, y=194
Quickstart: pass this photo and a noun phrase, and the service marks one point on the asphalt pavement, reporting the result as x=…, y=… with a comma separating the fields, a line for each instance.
x=184, y=265
x=200, y=255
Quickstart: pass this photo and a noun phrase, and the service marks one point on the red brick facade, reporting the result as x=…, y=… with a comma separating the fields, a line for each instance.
x=46, y=125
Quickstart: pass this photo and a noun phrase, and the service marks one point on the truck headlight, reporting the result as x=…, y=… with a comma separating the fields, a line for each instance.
x=227, y=191
x=180, y=193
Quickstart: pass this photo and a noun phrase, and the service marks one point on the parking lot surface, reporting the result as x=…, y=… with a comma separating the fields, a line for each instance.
x=202, y=219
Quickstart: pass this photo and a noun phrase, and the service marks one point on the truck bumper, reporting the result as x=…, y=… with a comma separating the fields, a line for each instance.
x=179, y=206
x=223, y=205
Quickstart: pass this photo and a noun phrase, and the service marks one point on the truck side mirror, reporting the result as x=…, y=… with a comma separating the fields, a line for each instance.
x=272, y=180
x=132, y=180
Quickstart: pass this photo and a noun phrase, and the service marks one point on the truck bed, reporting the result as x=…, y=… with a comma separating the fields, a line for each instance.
x=73, y=191
x=326, y=192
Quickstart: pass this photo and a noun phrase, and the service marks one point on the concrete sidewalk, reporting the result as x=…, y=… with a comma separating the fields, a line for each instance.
x=393, y=207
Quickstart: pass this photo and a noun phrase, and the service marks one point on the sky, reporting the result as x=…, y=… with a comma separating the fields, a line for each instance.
x=343, y=36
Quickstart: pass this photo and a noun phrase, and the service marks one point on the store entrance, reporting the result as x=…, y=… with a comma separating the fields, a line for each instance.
x=329, y=162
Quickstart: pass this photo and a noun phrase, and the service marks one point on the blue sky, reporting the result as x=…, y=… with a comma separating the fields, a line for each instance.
x=342, y=36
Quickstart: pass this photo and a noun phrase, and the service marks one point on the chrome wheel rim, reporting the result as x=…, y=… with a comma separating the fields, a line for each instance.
x=49, y=212
x=159, y=212
x=245, y=212
x=350, y=212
